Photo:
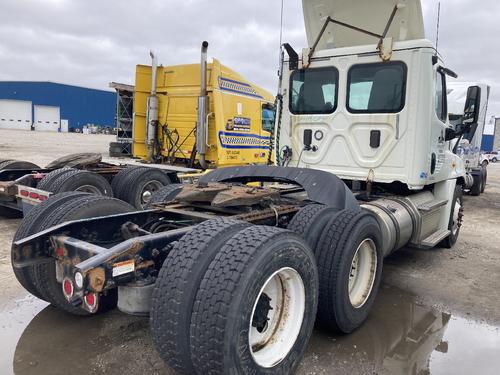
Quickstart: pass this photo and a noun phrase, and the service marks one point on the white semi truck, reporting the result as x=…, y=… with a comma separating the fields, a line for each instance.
x=233, y=275
x=469, y=146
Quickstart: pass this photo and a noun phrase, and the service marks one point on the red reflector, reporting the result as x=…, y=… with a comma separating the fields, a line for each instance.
x=60, y=252
x=34, y=195
x=43, y=197
x=67, y=288
x=90, y=299
x=24, y=193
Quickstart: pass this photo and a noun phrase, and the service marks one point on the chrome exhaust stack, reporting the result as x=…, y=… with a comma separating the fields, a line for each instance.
x=202, y=125
x=152, y=111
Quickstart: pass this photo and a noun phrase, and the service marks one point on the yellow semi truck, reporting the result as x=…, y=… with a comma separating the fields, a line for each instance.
x=200, y=115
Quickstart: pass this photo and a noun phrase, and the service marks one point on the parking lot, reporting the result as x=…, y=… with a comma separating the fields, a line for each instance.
x=429, y=302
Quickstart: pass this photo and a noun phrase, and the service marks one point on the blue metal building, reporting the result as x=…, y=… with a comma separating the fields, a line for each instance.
x=77, y=106
x=487, y=143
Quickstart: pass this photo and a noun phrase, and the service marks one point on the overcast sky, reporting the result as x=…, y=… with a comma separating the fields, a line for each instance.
x=94, y=42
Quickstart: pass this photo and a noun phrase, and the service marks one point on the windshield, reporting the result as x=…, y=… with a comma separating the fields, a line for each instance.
x=314, y=91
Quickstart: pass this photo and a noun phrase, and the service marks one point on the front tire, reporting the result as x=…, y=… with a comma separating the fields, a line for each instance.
x=455, y=221
x=484, y=175
x=255, y=309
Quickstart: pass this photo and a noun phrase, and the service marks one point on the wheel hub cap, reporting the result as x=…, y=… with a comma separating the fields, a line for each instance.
x=260, y=317
x=149, y=189
x=277, y=317
x=362, y=273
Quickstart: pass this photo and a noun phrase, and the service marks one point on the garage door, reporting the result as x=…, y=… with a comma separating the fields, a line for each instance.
x=15, y=114
x=47, y=118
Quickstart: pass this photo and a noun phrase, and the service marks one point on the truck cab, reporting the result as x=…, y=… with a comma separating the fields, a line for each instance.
x=371, y=117
x=367, y=101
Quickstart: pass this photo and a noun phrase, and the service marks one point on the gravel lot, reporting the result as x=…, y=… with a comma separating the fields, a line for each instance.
x=438, y=310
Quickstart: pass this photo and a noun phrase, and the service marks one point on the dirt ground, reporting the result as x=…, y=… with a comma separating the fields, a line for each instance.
x=438, y=311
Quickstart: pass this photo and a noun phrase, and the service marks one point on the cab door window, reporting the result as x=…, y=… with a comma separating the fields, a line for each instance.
x=441, y=103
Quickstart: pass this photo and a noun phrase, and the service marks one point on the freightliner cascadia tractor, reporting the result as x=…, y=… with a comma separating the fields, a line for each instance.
x=235, y=270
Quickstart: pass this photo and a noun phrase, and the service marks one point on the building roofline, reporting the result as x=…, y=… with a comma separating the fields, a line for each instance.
x=122, y=86
x=57, y=83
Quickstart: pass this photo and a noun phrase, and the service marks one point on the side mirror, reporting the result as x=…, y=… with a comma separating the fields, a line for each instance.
x=472, y=106
x=449, y=134
x=293, y=63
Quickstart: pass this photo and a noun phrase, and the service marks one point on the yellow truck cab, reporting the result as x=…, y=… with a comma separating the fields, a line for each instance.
x=230, y=127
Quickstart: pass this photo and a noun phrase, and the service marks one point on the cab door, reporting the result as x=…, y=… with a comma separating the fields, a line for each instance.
x=439, y=124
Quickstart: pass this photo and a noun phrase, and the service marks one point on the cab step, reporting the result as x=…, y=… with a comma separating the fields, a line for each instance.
x=436, y=238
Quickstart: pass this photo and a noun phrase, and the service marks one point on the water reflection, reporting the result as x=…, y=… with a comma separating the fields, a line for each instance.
x=400, y=337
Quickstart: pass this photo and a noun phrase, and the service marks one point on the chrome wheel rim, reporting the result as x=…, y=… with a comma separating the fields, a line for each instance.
x=149, y=189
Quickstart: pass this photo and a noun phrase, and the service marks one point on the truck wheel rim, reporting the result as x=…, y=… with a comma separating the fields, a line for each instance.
x=89, y=189
x=363, y=272
x=456, y=217
x=277, y=317
x=149, y=189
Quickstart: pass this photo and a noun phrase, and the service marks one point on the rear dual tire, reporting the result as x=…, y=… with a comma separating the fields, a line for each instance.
x=236, y=281
x=40, y=279
x=176, y=287
x=33, y=223
x=69, y=179
x=348, y=250
x=6, y=164
x=137, y=185
x=17, y=164
x=350, y=259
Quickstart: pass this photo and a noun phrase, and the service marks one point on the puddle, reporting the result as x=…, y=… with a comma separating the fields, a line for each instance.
x=13, y=320
x=400, y=337
x=404, y=337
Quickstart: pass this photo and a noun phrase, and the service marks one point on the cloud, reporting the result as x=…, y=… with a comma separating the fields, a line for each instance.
x=94, y=42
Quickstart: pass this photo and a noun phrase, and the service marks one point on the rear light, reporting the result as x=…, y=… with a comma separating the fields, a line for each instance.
x=24, y=193
x=33, y=195
x=90, y=301
x=60, y=252
x=67, y=287
x=42, y=198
